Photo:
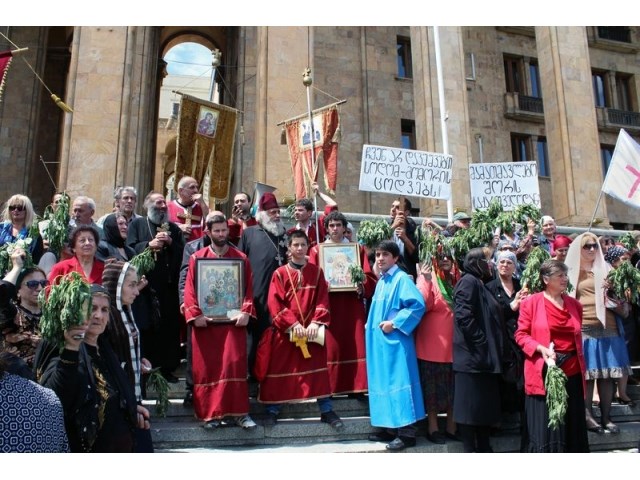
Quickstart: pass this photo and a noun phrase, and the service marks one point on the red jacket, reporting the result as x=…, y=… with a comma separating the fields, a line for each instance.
x=533, y=330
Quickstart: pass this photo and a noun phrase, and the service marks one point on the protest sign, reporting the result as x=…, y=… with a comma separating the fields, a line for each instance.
x=514, y=183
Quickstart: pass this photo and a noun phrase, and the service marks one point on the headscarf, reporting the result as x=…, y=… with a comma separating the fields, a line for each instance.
x=508, y=256
x=112, y=232
x=600, y=270
x=475, y=263
x=614, y=253
x=561, y=241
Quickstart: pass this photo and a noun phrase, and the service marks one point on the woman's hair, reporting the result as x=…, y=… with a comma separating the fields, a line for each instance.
x=23, y=201
x=83, y=228
x=550, y=267
x=473, y=262
x=25, y=272
x=589, y=237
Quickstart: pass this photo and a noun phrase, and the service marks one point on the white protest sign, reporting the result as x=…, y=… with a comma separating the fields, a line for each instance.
x=514, y=183
x=405, y=172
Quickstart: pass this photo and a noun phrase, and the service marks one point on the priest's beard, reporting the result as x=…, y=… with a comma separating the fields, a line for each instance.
x=274, y=227
x=157, y=216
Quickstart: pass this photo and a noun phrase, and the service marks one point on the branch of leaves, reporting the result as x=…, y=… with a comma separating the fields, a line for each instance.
x=625, y=282
x=9, y=248
x=64, y=305
x=372, y=232
x=159, y=384
x=57, y=230
x=144, y=262
x=357, y=274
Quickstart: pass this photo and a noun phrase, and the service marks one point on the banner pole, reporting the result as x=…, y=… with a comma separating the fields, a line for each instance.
x=307, y=81
x=593, y=217
x=443, y=112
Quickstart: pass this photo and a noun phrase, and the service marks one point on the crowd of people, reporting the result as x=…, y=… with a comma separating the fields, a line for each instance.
x=247, y=303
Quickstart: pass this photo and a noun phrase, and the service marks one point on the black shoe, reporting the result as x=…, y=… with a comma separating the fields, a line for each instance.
x=436, y=437
x=332, y=419
x=361, y=397
x=381, y=436
x=453, y=436
x=401, y=443
x=188, y=400
x=270, y=419
x=170, y=377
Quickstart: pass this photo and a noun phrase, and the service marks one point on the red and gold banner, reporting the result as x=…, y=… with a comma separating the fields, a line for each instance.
x=206, y=136
x=5, y=62
x=324, y=144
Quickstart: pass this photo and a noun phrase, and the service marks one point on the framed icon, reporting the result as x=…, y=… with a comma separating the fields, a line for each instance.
x=220, y=287
x=335, y=260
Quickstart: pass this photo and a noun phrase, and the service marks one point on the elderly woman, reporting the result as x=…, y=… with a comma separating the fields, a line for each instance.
x=615, y=256
x=84, y=243
x=99, y=404
x=121, y=281
x=434, y=344
x=115, y=228
x=477, y=353
x=507, y=291
x=19, y=309
x=18, y=216
x=551, y=316
x=604, y=350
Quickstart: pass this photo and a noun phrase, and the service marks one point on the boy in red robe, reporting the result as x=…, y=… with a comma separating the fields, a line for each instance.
x=219, y=349
x=297, y=370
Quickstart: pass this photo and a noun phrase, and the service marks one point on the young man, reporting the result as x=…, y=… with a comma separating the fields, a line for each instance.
x=395, y=396
x=219, y=350
x=297, y=369
x=240, y=217
x=303, y=215
x=346, y=354
x=405, y=233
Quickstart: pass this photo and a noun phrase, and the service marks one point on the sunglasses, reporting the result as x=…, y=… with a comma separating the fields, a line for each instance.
x=33, y=284
x=16, y=207
x=590, y=246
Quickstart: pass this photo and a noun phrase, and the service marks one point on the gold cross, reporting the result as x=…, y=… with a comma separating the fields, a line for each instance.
x=301, y=342
x=188, y=216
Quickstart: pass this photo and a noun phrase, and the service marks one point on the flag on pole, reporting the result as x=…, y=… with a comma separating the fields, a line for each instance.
x=206, y=136
x=5, y=62
x=325, y=131
x=623, y=177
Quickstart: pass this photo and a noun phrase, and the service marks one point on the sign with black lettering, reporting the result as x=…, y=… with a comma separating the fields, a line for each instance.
x=405, y=172
x=514, y=183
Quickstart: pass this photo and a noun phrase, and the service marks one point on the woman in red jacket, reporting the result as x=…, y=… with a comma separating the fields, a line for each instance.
x=545, y=317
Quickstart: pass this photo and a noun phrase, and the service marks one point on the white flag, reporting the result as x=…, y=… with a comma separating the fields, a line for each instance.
x=623, y=177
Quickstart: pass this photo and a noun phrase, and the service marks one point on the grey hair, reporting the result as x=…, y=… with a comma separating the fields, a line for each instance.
x=88, y=200
x=117, y=194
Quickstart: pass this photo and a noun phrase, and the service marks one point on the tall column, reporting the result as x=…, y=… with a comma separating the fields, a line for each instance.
x=427, y=109
x=570, y=123
x=107, y=141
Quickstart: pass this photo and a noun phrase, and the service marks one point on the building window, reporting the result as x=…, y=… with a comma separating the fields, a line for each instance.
x=618, y=34
x=534, y=73
x=606, y=153
x=403, y=48
x=520, y=148
x=543, y=157
x=623, y=92
x=408, y=128
x=175, y=109
x=599, y=80
x=513, y=73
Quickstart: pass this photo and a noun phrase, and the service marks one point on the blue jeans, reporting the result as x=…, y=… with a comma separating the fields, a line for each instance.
x=324, y=404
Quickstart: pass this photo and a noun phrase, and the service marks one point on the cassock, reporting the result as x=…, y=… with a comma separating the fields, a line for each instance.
x=163, y=349
x=219, y=350
x=395, y=396
x=191, y=215
x=296, y=295
x=266, y=253
x=236, y=229
x=346, y=354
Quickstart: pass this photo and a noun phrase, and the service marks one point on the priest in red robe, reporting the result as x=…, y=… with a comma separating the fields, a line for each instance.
x=219, y=347
x=346, y=349
x=296, y=365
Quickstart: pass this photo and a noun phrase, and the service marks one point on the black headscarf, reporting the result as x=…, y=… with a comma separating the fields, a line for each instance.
x=476, y=264
x=112, y=232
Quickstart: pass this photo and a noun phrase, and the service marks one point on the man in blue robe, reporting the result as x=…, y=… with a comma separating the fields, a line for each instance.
x=395, y=397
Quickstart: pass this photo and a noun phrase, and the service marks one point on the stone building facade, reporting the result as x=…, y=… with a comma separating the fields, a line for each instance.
x=556, y=95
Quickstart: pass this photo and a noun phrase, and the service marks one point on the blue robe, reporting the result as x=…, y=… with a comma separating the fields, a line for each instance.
x=395, y=396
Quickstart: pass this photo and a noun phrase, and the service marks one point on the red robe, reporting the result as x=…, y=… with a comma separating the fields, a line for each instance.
x=218, y=351
x=236, y=229
x=346, y=356
x=178, y=214
x=73, y=265
x=290, y=377
x=311, y=232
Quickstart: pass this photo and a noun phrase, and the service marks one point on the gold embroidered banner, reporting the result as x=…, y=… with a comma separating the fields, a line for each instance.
x=206, y=136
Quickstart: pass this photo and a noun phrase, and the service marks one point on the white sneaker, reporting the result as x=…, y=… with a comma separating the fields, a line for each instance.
x=245, y=422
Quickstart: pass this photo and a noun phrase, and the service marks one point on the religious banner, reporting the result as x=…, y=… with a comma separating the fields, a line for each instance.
x=5, y=62
x=206, y=136
x=623, y=176
x=514, y=183
x=405, y=172
x=321, y=136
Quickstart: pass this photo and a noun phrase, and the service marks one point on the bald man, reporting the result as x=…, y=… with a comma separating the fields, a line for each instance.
x=189, y=209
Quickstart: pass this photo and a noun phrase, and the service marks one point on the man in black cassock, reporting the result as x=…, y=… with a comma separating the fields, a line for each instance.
x=266, y=246
x=167, y=242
